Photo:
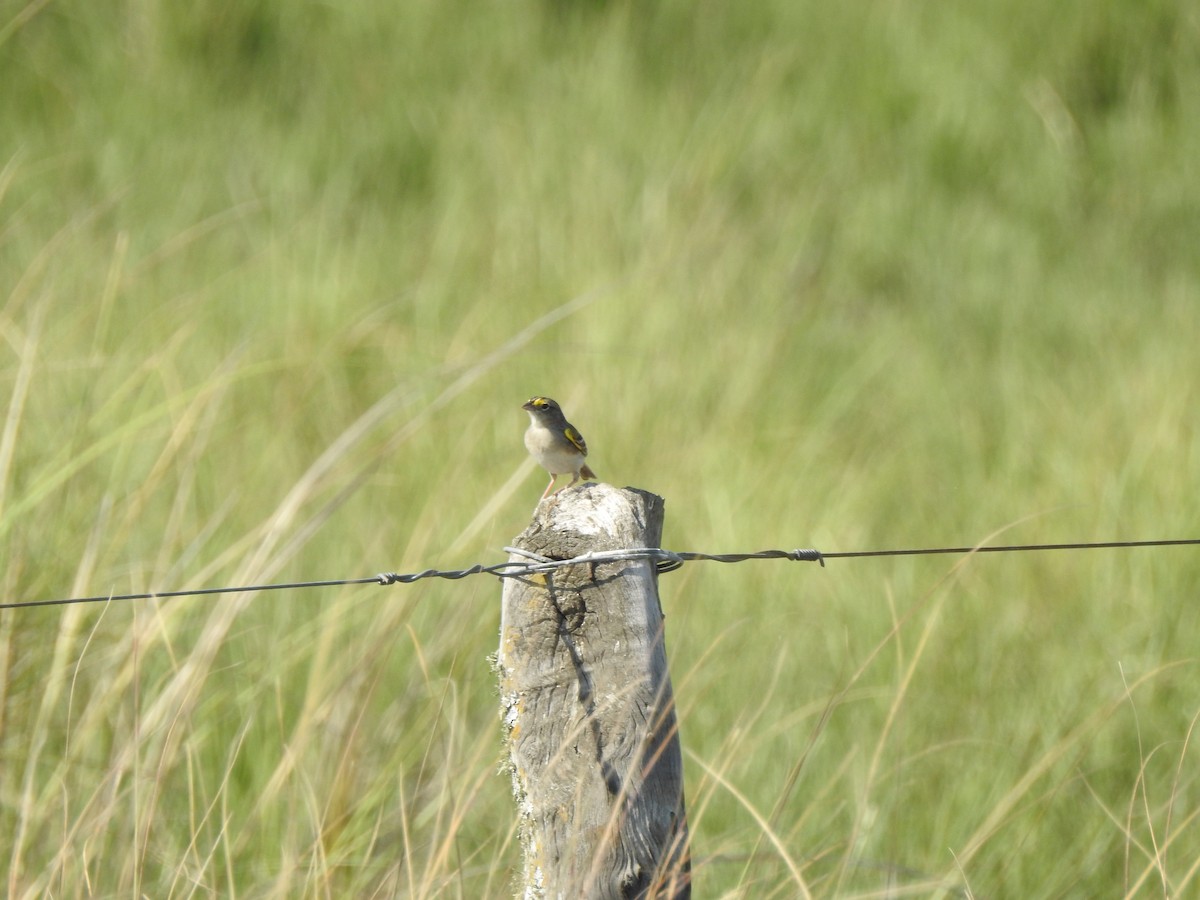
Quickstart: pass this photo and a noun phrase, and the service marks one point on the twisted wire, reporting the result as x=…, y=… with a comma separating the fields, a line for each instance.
x=664, y=560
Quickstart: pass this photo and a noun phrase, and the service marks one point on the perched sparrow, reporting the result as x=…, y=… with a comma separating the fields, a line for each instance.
x=554, y=442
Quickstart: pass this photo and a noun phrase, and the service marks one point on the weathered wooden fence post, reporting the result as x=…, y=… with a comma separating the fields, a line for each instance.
x=587, y=705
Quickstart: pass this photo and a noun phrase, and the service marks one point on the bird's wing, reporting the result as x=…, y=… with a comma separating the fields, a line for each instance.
x=576, y=438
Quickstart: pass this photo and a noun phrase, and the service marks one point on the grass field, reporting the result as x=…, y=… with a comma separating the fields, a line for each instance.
x=276, y=277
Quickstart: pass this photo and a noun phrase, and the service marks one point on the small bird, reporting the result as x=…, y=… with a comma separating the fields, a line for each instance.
x=554, y=442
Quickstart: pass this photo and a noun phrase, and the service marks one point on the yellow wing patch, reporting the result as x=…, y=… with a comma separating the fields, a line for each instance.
x=576, y=438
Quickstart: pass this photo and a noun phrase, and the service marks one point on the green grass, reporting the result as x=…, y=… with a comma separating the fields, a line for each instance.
x=275, y=279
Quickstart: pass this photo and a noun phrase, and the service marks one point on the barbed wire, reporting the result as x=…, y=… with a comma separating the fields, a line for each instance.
x=665, y=561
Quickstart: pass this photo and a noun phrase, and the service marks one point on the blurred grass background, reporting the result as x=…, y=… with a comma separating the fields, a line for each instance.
x=276, y=277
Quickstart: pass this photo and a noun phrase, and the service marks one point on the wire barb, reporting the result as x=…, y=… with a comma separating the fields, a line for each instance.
x=664, y=560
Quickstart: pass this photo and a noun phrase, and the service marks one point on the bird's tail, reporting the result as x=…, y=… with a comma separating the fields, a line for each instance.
x=588, y=473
